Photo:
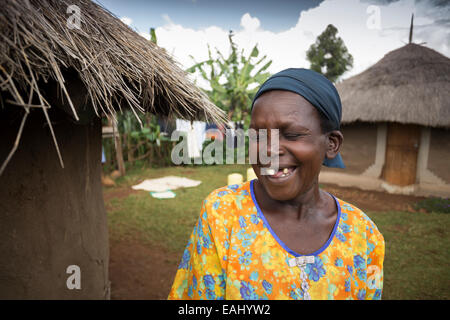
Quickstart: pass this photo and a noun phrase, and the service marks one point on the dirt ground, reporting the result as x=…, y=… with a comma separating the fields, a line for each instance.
x=140, y=270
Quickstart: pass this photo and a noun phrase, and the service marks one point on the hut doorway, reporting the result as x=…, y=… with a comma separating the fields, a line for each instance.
x=402, y=148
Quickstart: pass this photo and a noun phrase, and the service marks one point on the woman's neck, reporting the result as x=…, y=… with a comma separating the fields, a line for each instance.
x=303, y=206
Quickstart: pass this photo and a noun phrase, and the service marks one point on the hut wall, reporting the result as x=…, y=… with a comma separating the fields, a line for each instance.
x=52, y=217
x=359, y=148
x=439, y=154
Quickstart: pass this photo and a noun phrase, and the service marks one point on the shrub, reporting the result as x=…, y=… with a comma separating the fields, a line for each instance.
x=434, y=204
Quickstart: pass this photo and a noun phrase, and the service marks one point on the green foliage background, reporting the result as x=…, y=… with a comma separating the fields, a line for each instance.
x=234, y=80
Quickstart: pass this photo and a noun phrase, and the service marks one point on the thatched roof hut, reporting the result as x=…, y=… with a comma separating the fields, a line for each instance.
x=410, y=85
x=407, y=92
x=63, y=65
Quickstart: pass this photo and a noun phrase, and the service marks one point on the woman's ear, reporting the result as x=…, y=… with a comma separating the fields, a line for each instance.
x=335, y=139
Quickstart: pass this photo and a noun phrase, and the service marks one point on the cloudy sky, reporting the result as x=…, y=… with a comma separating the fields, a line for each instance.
x=283, y=29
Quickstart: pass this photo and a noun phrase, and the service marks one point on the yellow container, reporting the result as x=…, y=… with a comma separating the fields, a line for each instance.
x=251, y=174
x=235, y=178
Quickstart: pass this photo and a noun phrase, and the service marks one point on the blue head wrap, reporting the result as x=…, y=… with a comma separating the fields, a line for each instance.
x=315, y=88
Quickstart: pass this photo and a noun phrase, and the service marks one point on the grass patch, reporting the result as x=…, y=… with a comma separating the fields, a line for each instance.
x=417, y=254
x=417, y=244
x=169, y=222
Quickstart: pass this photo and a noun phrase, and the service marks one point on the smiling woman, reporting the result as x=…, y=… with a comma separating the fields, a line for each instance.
x=280, y=236
x=302, y=146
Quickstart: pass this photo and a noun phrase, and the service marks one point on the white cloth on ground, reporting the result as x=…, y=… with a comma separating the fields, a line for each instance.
x=166, y=183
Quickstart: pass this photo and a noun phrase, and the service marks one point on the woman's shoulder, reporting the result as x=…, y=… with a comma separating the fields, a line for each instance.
x=230, y=192
x=228, y=200
x=352, y=215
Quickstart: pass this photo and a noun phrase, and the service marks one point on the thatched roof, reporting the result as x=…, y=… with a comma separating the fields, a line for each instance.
x=409, y=85
x=119, y=68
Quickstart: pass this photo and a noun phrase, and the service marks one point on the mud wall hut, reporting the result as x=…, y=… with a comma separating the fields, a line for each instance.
x=56, y=83
x=396, y=119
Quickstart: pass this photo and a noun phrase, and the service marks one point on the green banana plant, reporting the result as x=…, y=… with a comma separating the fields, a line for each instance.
x=231, y=78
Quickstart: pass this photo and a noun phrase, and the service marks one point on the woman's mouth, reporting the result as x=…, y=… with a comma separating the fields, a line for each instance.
x=281, y=175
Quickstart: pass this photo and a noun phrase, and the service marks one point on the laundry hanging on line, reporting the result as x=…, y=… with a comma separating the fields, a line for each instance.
x=195, y=135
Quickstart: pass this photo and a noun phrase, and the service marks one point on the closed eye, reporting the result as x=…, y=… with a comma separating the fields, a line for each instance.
x=293, y=136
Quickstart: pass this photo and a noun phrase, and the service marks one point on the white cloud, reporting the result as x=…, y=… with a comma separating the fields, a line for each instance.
x=288, y=48
x=126, y=20
x=249, y=23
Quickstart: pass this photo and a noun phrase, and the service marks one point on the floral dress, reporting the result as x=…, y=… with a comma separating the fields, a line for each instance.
x=234, y=254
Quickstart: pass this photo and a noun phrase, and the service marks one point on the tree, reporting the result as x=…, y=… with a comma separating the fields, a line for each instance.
x=329, y=55
x=232, y=78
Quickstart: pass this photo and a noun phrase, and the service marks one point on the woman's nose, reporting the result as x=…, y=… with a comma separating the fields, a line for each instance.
x=273, y=143
x=274, y=149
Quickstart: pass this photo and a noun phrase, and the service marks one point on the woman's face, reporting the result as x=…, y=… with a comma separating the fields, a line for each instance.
x=302, y=146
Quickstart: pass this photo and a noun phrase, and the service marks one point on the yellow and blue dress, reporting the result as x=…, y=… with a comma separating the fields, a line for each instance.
x=234, y=254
